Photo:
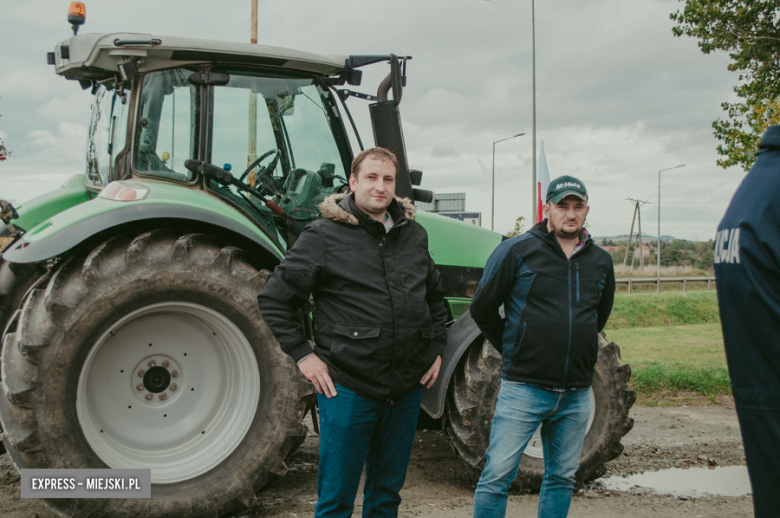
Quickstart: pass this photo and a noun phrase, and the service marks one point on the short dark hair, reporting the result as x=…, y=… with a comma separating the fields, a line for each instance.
x=375, y=153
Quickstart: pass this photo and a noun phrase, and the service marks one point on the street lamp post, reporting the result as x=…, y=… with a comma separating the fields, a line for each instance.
x=493, y=189
x=658, y=251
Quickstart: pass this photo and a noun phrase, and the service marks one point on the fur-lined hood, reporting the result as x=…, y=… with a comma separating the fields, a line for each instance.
x=331, y=209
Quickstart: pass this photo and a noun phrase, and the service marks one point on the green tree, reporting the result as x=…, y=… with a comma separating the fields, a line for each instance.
x=706, y=260
x=749, y=30
x=519, y=227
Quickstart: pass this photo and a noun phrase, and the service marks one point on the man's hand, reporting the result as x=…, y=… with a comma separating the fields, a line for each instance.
x=430, y=377
x=317, y=372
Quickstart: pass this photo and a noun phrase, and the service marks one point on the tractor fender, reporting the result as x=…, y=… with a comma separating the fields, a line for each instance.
x=460, y=336
x=35, y=248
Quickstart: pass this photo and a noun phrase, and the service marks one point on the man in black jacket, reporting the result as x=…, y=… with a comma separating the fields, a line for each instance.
x=378, y=333
x=557, y=290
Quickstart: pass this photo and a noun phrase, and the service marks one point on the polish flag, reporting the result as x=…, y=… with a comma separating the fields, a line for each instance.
x=542, y=183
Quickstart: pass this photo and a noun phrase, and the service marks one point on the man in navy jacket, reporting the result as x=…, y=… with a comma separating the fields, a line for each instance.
x=557, y=290
x=747, y=267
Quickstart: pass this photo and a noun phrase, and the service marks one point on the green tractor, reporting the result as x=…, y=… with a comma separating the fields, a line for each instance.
x=131, y=333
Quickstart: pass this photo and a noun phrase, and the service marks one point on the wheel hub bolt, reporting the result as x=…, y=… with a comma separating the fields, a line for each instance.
x=175, y=373
x=140, y=386
x=149, y=396
x=141, y=373
x=152, y=363
x=163, y=396
x=173, y=386
x=165, y=364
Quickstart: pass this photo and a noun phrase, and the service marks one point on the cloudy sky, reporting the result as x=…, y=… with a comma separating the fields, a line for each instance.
x=618, y=97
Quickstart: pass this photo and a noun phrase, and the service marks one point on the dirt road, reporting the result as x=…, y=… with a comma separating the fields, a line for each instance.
x=439, y=484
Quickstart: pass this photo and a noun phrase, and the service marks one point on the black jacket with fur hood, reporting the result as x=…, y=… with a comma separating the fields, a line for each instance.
x=380, y=313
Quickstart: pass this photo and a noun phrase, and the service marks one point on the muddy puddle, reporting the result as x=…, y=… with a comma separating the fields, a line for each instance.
x=686, y=482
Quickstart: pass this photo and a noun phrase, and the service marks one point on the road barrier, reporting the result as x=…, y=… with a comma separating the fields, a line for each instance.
x=685, y=282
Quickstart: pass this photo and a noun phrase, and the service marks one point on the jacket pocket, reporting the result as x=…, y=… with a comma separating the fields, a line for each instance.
x=356, y=332
x=518, y=341
x=354, y=349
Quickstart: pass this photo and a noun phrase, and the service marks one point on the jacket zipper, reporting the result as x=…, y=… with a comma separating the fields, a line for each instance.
x=568, y=344
x=577, y=265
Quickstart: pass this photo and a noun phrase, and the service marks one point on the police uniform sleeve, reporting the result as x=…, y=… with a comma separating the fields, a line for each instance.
x=289, y=288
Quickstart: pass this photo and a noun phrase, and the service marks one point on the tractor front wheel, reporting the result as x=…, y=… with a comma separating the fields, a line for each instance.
x=150, y=352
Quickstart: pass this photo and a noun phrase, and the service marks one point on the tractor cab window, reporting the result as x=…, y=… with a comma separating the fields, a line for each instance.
x=167, y=125
x=274, y=133
x=107, y=135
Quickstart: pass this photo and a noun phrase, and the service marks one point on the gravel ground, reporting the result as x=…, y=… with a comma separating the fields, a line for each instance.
x=440, y=484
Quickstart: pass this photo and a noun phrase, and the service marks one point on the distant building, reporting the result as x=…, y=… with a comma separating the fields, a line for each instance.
x=452, y=205
x=646, y=249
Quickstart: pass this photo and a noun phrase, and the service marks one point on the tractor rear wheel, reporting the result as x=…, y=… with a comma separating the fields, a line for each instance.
x=471, y=401
x=150, y=352
x=15, y=281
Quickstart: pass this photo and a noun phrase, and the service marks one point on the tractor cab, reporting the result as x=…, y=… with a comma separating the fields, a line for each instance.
x=263, y=117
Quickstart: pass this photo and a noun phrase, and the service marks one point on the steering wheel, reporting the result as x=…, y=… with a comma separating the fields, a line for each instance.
x=265, y=173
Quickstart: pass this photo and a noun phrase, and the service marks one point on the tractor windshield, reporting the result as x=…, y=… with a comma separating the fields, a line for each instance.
x=274, y=133
x=281, y=119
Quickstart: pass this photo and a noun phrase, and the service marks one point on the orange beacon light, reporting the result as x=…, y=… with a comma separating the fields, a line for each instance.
x=77, y=15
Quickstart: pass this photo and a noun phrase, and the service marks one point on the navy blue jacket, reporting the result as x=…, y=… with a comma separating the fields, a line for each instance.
x=555, y=307
x=747, y=267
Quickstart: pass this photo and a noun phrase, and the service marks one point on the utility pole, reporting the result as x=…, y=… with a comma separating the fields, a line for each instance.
x=639, y=234
x=252, y=144
x=638, y=243
x=630, y=236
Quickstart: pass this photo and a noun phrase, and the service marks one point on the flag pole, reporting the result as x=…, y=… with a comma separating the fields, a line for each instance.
x=533, y=61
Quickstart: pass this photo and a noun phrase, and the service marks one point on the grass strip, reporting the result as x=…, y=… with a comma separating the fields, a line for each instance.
x=655, y=378
x=673, y=360
x=663, y=309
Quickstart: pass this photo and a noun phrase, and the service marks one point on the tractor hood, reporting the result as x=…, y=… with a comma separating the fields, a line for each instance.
x=96, y=56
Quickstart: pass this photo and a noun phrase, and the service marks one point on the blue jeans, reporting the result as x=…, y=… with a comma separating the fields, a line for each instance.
x=519, y=411
x=357, y=431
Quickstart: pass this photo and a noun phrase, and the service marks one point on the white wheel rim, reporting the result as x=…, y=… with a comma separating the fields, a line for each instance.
x=201, y=420
x=534, y=448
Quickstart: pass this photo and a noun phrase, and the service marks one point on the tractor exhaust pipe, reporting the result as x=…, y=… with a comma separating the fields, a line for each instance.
x=386, y=124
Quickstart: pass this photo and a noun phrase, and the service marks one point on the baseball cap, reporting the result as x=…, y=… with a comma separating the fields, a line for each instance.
x=564, y=186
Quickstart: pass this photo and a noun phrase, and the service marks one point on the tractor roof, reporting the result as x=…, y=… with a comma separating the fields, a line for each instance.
x=96, y=56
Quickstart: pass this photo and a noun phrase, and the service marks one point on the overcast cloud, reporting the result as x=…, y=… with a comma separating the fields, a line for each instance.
x=618, y=97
